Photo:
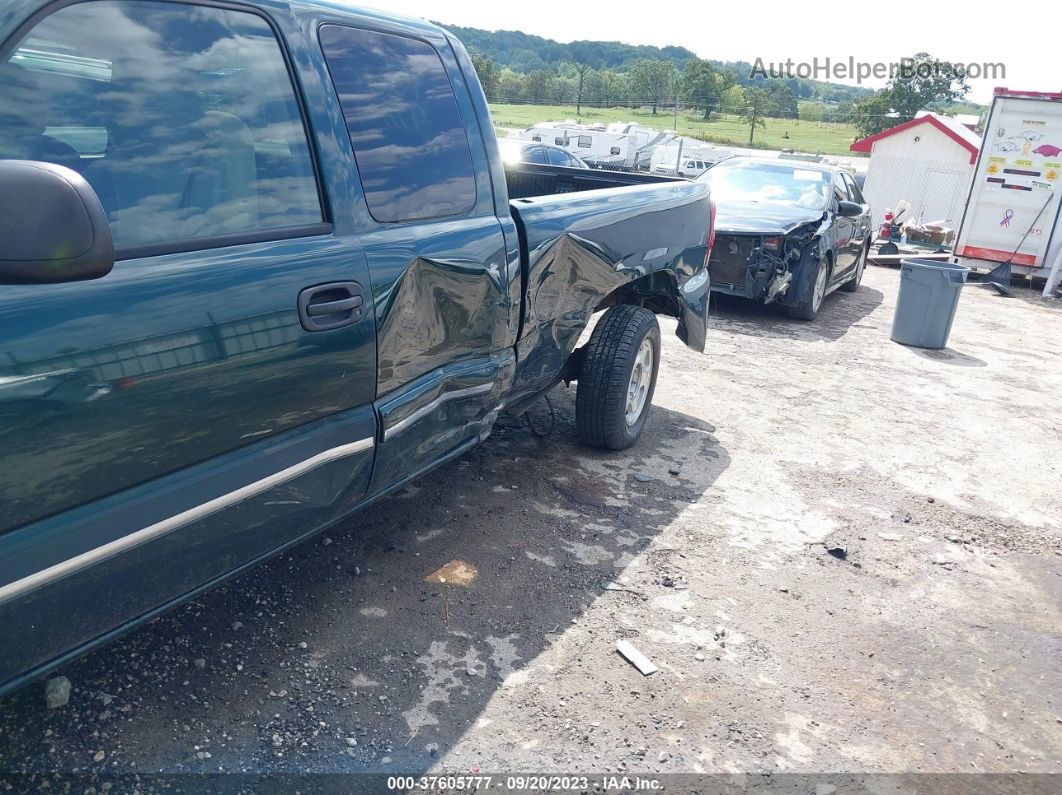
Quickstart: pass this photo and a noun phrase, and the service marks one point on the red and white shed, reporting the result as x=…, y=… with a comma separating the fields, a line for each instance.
x=929, y=161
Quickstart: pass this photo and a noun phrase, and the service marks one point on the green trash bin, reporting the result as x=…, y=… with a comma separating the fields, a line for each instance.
x=925, y=307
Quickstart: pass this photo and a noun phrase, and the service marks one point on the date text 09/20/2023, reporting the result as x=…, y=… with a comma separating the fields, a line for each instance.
x=522, y=783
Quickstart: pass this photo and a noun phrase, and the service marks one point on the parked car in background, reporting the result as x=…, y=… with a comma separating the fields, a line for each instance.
x=786, y=232
x=689, y=168
x=286, y=273
x=514, y=150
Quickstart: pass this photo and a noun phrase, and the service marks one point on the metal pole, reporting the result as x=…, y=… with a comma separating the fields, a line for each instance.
x=1052, y=277
x=678, y=158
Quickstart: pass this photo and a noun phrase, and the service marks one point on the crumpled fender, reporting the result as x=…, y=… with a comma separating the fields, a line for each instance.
x=579, y=248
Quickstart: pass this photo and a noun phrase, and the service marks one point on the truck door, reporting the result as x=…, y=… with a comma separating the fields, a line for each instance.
x=439, y=268
x=216, y=386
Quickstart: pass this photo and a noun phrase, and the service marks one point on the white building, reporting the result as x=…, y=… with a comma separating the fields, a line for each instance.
x=929, y=161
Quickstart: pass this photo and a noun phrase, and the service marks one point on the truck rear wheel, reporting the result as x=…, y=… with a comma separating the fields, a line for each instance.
x=617, y=378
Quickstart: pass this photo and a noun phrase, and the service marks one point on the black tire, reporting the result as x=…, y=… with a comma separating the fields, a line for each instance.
x=888, y=249
x=811, y=303
x=861, y=265
x=605, y=376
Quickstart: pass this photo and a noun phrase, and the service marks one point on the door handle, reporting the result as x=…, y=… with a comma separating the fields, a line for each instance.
x=328, y=306
x=333, y=307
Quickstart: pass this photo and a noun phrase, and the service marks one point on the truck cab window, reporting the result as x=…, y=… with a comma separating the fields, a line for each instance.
x=181, y=117
x=402, y=117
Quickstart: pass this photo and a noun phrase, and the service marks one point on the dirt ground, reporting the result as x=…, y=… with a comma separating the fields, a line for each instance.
x=934, y=645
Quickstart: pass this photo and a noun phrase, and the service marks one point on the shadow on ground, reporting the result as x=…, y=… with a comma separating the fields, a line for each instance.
x=340, y=656
x=948, y=356
x=840, y=311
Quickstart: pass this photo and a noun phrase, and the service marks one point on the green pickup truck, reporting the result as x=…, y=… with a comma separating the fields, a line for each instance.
x=262, y=264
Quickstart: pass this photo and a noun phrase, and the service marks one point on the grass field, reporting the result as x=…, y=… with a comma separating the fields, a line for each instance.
x=805, y=136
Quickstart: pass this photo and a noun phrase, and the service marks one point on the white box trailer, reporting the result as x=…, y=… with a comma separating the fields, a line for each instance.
x=1012, y=210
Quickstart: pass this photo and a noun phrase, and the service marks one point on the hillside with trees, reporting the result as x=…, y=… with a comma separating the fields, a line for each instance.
x=517, y=68
x=524, y=67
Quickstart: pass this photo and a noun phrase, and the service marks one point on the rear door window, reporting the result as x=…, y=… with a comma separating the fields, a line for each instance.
x=536, y=154
x=558, y=157
x=183, y=118
x=404, y=124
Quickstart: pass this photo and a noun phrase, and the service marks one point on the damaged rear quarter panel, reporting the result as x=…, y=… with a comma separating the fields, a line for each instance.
x=581, y=247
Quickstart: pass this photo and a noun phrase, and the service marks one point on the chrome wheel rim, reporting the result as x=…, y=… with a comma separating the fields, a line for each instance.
x=641, y=377
x=820, y=287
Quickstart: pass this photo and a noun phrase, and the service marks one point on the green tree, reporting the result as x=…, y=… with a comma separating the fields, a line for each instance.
x=811, y=111
x=489, y=74
x=563, y=91
x=784, y=101
x=651, y=81
x=538, y=86
x=606, y=89
x=733, y=99
x=921, y=82
x=510, y=86
x=582, y=72
x=757, y=105
x=839, y=113
x=703, y=85
x=872, y=115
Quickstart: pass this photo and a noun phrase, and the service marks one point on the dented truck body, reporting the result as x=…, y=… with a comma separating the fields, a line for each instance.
x=254, y=387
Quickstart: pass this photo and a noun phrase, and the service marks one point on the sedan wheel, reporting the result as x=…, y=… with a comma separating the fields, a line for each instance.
x=813, y=283
x=820, y=287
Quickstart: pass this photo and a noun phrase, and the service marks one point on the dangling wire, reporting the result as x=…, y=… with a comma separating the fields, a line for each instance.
x=552, y=420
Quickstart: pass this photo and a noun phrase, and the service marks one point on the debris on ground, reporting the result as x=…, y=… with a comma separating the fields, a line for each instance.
x=636, y=658
x=838, y=552
x=57, y=692
x=456, y=572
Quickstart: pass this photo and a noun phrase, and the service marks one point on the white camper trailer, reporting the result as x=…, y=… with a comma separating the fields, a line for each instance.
x=590, y=142
x=620, y=145
x=646, y=141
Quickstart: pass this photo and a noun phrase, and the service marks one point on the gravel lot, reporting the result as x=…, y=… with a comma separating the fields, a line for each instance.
x=935, y=645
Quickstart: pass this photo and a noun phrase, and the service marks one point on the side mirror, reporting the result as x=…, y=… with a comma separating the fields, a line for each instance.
x=849, y=209
x=52, y=225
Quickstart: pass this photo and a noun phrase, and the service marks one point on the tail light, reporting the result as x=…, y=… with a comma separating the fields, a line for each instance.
x=711, y=232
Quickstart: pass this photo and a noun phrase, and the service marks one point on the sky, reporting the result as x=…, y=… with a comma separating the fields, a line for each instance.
x=1020, y=36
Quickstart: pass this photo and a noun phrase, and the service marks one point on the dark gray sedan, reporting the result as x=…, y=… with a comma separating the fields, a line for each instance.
x=517, y=150
x=787, y=232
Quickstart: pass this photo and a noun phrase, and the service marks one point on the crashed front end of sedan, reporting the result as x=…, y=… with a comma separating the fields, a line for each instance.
x=763, y=266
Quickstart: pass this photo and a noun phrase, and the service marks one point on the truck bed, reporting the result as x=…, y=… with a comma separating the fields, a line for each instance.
x=585, y=234
x=527, y=180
